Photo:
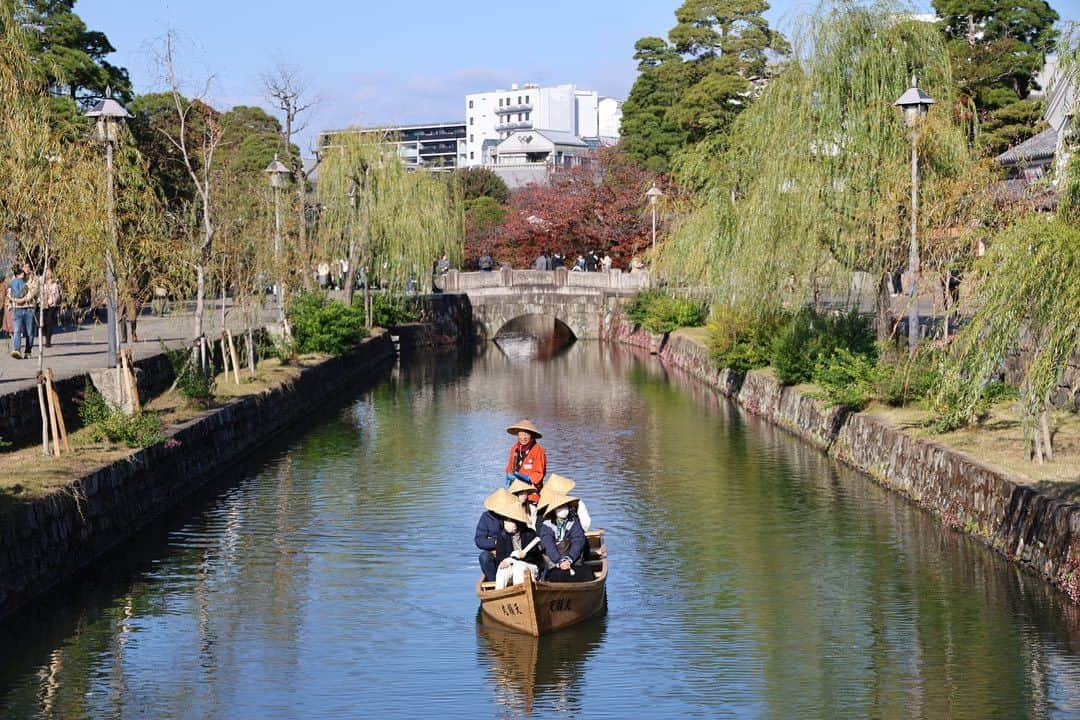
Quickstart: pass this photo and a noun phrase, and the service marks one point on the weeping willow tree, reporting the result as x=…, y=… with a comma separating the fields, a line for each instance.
x=813, y=181
x=1029, y=301
x=391, y=224
x=52, y=207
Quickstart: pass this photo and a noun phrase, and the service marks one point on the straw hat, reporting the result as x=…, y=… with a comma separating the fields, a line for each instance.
x=556, y=484
x=521, y=486
x=525, y=425
x=503, y=503
x=556, y=501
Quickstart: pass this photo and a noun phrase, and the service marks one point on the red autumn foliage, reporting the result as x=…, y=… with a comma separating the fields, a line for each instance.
x=601, y=207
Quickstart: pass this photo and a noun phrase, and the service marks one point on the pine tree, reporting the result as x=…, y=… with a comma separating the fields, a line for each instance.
x=996, y=48
x=692, y=85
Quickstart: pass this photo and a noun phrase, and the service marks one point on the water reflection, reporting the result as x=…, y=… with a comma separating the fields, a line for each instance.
x=750, y=577
x=527, y=672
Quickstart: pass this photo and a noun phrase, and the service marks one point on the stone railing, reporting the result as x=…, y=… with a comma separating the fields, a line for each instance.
x=504, y=279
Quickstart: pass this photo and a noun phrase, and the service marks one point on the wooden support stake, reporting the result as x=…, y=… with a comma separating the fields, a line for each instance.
x=51, y=391
x=233, y=357
x=132, y=383
x=47, y=410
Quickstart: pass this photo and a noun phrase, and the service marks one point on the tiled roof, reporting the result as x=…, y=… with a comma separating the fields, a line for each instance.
x=1040, y=147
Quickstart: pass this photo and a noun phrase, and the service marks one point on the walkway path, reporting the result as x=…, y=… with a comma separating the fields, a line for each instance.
x=77, y=349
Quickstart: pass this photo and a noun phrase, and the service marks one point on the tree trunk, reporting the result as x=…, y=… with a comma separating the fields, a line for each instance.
x=1044, y=426
x=200, y=299
x=883, y=321
x=350, y=276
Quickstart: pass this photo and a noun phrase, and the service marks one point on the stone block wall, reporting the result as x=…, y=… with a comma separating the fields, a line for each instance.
x=50, y=540
x=1037, y=530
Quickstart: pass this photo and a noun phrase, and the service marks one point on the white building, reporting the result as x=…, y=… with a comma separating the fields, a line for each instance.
x=491, y=117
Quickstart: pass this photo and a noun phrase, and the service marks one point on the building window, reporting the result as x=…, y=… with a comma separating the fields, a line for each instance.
x=470, y=104
x=472, y=138
x=472, y=156
x=500, y=102
x=526, y=99
x=471, y=120
x=527, y=116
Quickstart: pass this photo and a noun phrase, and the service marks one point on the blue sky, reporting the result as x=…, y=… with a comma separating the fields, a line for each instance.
x=382, y=62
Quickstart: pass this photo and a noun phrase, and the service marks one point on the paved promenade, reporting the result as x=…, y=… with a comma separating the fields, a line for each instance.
x=77, y=349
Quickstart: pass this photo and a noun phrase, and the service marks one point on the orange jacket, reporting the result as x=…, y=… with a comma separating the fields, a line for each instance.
x=534, y=465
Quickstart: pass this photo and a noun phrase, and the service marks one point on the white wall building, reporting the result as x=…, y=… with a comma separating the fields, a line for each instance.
x=491, y=117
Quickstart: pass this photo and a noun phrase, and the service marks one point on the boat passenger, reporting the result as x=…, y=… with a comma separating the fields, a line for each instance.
x=557, y=484
x=522, y=490
x=564, y=542
x=527, y=459
x=515, y=551
x=501, y=505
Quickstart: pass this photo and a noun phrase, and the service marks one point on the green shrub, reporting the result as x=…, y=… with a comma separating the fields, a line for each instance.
x=110, y=425
x=320, y=325
x=659, y=312
x=848, y=379
x=907, y=379
x=94, y=409
x=741, y=339
x=389, y=310
x=191, y=382
x=810, y=336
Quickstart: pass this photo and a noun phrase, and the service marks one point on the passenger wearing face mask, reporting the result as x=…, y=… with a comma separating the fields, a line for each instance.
x=564, y=542
x=557, y=484
x=517, y=551
x=501, y=506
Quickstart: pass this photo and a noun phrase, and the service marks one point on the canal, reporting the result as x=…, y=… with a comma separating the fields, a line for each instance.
x=750, y=575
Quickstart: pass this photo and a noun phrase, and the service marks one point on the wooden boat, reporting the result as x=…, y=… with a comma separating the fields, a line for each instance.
x=537, y=608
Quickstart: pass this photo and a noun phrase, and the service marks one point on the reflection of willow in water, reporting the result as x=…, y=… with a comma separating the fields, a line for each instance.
x=526, y=671
x=855, y=589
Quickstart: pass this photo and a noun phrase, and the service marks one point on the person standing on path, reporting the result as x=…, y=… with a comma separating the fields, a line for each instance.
x=23, y=319
x=8, y=324
x=527, y=460
x=50, y=305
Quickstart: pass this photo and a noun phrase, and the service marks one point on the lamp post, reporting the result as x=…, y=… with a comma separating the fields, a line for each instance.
x=276, y=172
x=109, y=116
x=915, y=104
x=654, y=195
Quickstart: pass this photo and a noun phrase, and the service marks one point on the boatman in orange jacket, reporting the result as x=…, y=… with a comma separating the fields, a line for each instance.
x=527, y=460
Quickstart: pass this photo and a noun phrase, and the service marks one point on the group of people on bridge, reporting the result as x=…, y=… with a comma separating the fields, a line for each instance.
x=532, y=524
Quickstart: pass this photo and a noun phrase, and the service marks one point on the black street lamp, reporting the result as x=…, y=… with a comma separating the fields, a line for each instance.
x=109, y=116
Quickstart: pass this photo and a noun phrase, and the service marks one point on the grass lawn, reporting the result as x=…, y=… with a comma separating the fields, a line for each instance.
x=27, y=474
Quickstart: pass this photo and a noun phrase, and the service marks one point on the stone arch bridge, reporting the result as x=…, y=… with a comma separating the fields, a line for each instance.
x=506, y=298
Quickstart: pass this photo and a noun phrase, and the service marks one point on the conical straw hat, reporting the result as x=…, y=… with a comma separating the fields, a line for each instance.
x=503, y=503
x=525, y=425
x=556, y=501
x=521, y=486
x=556, y=484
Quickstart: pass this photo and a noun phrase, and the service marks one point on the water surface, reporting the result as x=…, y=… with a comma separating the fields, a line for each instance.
x=750, y=576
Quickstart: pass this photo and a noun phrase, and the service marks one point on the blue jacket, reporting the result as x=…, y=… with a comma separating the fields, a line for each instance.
x=575, y=536
x=488, y=531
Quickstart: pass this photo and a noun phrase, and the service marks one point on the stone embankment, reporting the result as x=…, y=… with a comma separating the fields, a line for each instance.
x=1039, y=531
x=47, y=541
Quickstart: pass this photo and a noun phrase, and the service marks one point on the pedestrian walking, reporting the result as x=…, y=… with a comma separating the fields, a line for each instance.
x=23, y=318
x=323, y=273
x=50, y=306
